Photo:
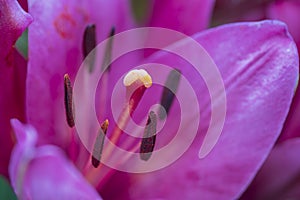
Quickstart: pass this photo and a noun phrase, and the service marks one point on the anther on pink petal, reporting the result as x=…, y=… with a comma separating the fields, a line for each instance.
x=148, y=141
x=89, y=43
x=169, y=92
x=98, y=146
x=108, y=50
x=136, y=82
x=69, y=100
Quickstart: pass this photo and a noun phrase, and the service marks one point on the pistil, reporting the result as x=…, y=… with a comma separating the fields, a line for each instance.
x=136, y=82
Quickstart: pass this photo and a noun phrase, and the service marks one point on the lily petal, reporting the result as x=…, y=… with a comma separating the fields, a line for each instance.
x=12, y=74
x=284, y=164
x=44, y=172
x=59, y=28
x=259, y=65
x=188, y=17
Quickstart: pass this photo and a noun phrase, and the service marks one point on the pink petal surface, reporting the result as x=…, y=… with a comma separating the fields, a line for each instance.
x=13, y=21
x=279, y=176
x=188, y=17
x=55, y=40
x=44, y=172
x=259, y=65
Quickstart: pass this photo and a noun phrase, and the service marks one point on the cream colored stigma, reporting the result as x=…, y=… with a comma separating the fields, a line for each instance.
x=137, y=75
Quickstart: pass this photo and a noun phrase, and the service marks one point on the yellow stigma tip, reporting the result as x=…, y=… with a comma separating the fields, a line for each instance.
x=137, y=75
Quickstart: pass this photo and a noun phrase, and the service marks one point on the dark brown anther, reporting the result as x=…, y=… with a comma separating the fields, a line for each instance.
x=69, y=100
x=99, y=143
x=89, y=43
x=169, y=92
x=148, y=141
x=108, y=50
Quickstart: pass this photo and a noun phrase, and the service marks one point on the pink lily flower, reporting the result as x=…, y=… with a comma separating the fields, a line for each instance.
x=259, y=78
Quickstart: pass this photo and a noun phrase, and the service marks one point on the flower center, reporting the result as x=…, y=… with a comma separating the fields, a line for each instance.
x=136, y=83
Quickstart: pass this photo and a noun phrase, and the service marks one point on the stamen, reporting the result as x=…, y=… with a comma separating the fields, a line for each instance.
x=136, y=82
x=108, y=50
x=133, y=79
x=89, y=43
x=149, y=137
x=69, y=100
x=98, y=146
x=169, y=91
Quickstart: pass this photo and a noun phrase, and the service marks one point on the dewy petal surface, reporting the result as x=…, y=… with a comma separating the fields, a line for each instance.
x=55, y=48
x=13, y=21
x=188, y=17
x=259, y=64
x=279, y=176
x=44, y=172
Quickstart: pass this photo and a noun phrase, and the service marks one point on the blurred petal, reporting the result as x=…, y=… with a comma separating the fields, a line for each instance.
x=287, y=11
x=24, y=4
x=13, y=22
x=188, y=17
x=44, y=172
x=227, y=11
x=259, y=65
x=22, y=152
x=55, y=40
x=291, y=127
x=279, y=176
